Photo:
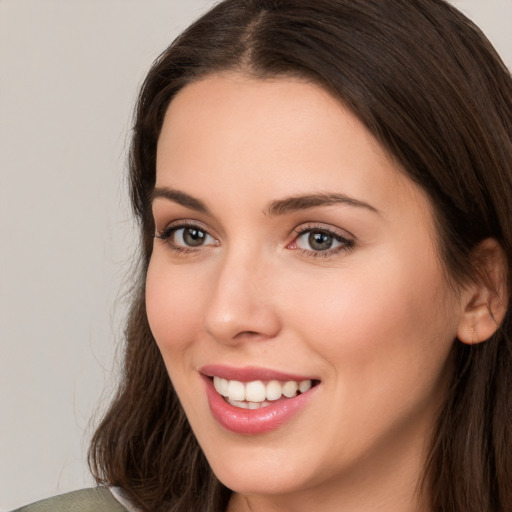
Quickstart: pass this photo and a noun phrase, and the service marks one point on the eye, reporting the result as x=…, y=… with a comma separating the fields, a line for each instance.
x=186, y=237
x=318, y=240
x=190, y=237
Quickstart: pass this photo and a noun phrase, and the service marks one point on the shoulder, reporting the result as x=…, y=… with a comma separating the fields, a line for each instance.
x=96, y=499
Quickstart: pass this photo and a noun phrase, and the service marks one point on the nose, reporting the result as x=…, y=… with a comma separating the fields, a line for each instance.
x=242, y=306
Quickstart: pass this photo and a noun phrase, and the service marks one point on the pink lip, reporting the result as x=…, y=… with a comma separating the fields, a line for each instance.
x=253, y=421
x=249, y=373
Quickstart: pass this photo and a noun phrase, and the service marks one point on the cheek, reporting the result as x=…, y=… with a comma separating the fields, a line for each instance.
x=370, y=324
x=172, y=304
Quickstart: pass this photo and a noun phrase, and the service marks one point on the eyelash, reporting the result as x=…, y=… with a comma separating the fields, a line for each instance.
x=166, y=234
x=346, y=244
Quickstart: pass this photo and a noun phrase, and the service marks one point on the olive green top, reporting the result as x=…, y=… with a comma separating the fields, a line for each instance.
x=97, y=499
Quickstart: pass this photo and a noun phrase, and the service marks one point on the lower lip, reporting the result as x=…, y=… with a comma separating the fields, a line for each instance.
x=254, y=421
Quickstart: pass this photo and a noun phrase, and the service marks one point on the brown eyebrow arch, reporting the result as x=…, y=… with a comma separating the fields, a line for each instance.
x=178, y=197
x=278, y=207
x=292, y=204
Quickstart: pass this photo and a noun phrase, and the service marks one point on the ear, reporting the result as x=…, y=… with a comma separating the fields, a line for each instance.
x=485, y=300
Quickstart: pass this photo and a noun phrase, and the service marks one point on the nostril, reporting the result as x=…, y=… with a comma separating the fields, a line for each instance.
x=247, y=334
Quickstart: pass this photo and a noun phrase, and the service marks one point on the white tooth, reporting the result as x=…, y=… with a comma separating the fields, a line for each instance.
x=274, y=390
x=290, y=389
x=254, y=405
x=221, y=385
x=265, y=404
x=305, y=385
x=224, y=387
x=255, y=391
x=236, y=390
x=236, y=403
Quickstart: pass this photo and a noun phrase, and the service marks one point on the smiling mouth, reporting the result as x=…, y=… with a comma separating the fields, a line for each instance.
x=258, y=394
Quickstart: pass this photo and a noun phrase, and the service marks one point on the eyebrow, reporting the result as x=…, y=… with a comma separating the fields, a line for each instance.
x=276, y=208
x=178, y=197
x=293, y=204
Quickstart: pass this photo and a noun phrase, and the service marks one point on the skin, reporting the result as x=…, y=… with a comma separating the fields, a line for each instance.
x=374, y=320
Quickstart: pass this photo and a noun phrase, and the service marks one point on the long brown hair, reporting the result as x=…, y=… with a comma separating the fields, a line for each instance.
x=430, y=87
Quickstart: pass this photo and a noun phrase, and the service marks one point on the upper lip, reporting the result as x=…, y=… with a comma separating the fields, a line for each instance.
x=250, y=373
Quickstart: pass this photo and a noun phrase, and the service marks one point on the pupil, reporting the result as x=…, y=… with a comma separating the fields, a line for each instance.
x=193, y=236
x=320, y=241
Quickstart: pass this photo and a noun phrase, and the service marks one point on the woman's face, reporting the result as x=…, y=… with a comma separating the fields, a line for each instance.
x=289, y=248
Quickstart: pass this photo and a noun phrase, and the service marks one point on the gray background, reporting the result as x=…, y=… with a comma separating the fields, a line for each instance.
x=69, y=73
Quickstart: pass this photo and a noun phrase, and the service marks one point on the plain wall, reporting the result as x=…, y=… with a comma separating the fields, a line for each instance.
x=69, y=73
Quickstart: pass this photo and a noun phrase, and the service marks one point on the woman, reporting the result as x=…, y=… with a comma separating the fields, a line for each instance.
x=321, y=320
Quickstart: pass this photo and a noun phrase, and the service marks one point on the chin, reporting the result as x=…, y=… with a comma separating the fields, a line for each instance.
x=260, y=473
x=247, y=482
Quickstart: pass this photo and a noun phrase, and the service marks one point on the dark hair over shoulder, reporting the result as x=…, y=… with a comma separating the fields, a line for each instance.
x=432, y=90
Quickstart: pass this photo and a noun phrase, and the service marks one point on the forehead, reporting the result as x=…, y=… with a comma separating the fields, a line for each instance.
x=273, y=137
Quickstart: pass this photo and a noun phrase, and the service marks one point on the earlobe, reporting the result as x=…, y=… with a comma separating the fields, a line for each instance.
x=486, y=299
